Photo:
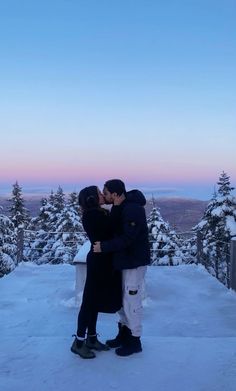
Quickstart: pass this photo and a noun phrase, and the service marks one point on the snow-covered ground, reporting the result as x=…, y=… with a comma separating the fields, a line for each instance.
x=189, y=336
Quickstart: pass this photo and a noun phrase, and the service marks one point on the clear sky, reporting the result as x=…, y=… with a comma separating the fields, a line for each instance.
x=143, y=90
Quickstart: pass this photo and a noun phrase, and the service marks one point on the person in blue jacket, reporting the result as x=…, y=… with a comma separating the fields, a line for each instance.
x=131, y=254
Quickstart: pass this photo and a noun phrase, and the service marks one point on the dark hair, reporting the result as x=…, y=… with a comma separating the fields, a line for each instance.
x=115, y=186
x=88, y=198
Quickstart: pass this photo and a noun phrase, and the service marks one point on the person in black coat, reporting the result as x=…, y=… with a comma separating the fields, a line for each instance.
x=131, y=254
x=102, y=290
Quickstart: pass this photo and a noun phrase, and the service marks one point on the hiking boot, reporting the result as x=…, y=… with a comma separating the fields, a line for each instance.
x=132, y=345
x=93, y=343
x=121, y=337
x=79, y=347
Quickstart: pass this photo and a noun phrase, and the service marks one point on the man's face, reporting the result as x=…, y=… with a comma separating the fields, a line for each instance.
x=109, y=197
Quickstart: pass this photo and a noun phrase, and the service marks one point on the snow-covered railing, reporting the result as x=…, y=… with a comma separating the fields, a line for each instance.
x=213, y=246
x=219, y=258
x=49, y=244
x=26, y=236
x=26, y=240
x=233, y=264
x=165, y=251
x=220, y=248
x=49, y=232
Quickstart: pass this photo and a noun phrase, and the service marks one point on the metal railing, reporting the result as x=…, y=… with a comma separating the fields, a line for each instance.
x=230, y=253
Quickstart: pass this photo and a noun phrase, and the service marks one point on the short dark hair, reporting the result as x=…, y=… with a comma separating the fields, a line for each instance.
x=88, y=198
x=115, y=186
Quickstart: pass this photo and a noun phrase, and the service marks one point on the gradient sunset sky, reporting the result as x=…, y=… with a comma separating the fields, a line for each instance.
x=140, y=90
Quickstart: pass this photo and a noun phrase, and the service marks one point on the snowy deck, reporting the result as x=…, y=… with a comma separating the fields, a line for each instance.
x=189, y=336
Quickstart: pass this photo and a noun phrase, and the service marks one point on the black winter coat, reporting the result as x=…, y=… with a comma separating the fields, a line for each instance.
x=130, y=246
x=103, y=287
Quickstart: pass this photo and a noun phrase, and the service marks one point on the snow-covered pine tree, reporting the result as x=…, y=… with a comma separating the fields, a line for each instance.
x=19, y=215
x=70, y=234
x=190, y=244
x=37, y=237
x=59, y=200
x=165, y=243
x=224, y=185
x=55, y=206
x=74, y=200
x=46, y=223
x=48, y=211
x=217, y=227
x=7, y=245
x=41, y=221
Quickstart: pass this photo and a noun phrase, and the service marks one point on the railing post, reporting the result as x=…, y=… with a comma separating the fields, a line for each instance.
x=233, y=264
x=171, y=255
x=199, y=247
x=20, y=245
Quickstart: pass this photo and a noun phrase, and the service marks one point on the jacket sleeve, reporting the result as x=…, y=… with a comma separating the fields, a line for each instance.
x=132, y=221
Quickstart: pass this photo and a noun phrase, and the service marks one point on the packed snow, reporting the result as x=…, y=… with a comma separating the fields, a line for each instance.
x=189, y=334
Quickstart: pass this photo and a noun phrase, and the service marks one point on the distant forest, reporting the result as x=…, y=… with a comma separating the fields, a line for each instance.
x=50, y=230
x=182, y=214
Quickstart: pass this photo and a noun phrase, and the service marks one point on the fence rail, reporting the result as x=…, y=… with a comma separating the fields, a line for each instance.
x=233, y=264
x=231, y=255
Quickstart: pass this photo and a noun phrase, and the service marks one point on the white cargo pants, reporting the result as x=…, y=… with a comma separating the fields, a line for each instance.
x=132, y=310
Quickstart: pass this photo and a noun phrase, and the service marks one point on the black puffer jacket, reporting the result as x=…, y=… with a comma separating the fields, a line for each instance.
x=130, y=245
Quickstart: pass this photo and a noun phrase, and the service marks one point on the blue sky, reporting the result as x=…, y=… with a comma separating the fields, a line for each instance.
x=141, y=90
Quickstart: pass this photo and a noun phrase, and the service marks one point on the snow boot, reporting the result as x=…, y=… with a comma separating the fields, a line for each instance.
x=132, y=345
x=121, y=337
x=79, y=347
x=93, y=343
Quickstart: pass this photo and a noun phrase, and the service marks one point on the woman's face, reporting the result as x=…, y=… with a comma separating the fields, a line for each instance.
x=101, y=199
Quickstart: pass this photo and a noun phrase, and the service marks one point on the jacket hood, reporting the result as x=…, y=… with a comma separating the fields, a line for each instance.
x=136, y=196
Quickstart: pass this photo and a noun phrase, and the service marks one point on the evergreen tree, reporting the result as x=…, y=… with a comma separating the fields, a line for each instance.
x=7, y=245
x=18, y=213
x=69, y=235
x=45, y=217
x=224, y=185
x=59, y=200
x=217, y=227
x=74, y=200
x=38, y=237
x=44, y=224
x=165, y=243
x=59, y=230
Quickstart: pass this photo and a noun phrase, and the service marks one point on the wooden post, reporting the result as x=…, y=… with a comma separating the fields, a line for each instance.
x=171, y=255
x=20, y=245
x=233, y=264
x=199, y=247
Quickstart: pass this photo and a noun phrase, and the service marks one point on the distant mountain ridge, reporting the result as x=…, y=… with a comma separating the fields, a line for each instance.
x=181, y=213
x=32, y=204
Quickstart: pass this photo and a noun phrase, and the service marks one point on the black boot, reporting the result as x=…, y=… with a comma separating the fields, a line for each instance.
x=132, y=345
x=121, y=337
x=79, y=347
x=93, y=343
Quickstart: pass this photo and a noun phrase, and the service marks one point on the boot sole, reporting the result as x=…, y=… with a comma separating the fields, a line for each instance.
x=129, y=354
x=97, y=349
x=78, y=354
x=114, y=347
